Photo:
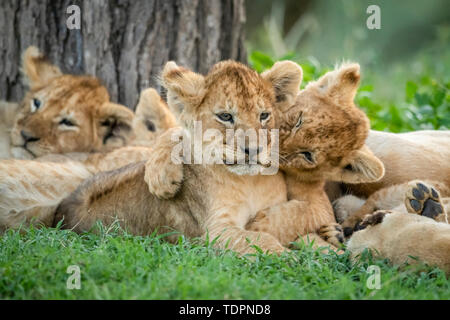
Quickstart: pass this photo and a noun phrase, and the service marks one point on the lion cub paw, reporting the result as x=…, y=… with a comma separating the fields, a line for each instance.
x=164, y=179
x=424, y=200
x=372, y=219
x=332, y=233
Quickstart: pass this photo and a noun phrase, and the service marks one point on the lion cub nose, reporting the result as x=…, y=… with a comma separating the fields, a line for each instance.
x=28, y=137
x=253, y=151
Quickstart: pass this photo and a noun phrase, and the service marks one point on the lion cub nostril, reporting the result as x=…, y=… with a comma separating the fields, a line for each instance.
x=28, y=137
x=254, y=151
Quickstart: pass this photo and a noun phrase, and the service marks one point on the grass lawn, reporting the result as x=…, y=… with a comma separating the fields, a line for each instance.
x=116, y=265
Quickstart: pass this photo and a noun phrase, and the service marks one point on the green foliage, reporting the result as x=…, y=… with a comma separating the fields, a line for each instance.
x=117, y=265
x=426, y=103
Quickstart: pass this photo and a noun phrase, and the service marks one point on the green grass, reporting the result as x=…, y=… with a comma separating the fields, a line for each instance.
x=116, y=265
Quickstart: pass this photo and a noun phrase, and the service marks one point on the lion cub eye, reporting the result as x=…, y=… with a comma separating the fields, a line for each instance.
x=308, y=156
x=264, y=116
x=67, y=122
x=225, y=117
x=150, y=126
x=35, y=104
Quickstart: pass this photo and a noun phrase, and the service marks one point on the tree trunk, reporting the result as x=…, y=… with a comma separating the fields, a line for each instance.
x=123, y=42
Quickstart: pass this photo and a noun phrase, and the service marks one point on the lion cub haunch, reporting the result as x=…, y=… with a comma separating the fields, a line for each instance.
x=213, y=199
x=405, y=238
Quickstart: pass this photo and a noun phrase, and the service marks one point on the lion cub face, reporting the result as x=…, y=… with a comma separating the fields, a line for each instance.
x=66, y=113
x=324, y=133
x=235, y=101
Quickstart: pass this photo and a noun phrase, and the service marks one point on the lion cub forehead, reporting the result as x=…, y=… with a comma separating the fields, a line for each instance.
x=67, y=85
x=234, y=85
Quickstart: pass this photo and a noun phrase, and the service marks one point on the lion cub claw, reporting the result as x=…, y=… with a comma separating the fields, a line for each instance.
x=424, y=200
x=373, y=219
x=332, y=233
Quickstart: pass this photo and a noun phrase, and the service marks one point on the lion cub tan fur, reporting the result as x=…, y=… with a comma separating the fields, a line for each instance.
x=8, y=112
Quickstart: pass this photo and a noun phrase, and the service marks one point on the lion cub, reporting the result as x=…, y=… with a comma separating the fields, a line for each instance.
x=322, y=136
x=29, y=196
x=215, y=201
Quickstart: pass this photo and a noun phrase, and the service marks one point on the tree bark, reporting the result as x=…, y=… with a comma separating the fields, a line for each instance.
x=123, y=42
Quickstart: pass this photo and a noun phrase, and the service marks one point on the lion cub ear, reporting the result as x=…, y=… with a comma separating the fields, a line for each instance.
x=363, y=167
x=152, y=112
x=340, y=84
x=286, y=77
x=185, y=88
x=114, y=125
x=36, y=68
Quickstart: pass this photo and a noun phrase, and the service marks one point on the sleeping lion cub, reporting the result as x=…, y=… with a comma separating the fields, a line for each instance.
x=63, y=113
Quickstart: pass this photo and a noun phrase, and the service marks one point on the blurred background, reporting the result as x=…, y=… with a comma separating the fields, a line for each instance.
x=405, y=64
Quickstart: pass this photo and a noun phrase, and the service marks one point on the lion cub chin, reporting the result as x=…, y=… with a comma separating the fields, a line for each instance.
x=212, y=201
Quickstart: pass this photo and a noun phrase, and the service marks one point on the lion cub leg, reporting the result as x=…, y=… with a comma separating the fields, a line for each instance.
x=163, y=175
x=226, y=234
x=289, y=220
x=374, y=218
x=386, y=198
x=284, y=221
x=389, y=198
x=424, y=200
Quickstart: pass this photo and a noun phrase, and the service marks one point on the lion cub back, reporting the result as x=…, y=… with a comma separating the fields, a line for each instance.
x=123, y=195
